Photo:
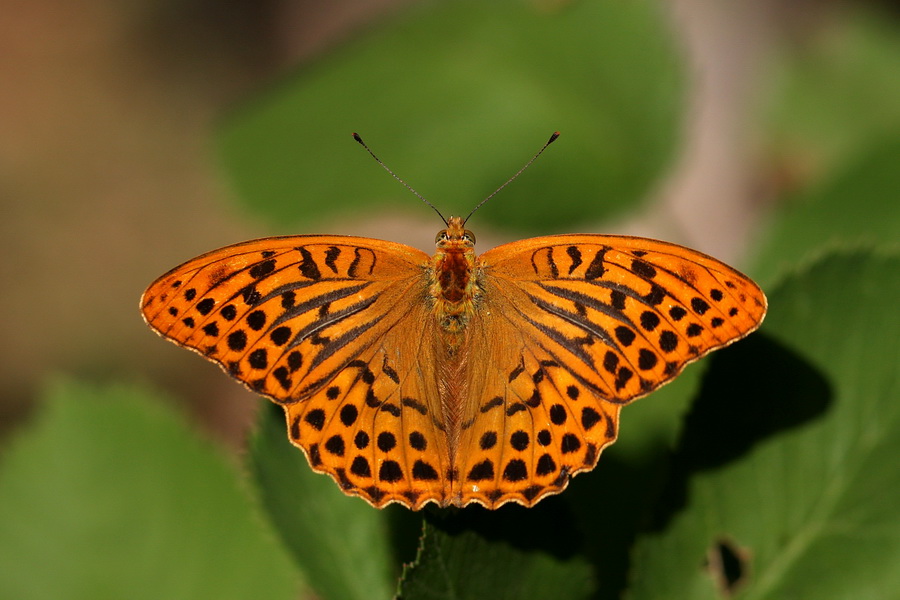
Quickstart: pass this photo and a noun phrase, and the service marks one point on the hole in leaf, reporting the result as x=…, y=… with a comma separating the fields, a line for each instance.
x=729, y=565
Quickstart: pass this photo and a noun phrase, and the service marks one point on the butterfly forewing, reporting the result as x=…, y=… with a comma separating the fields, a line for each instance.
x=624, y=314
x=273, y=311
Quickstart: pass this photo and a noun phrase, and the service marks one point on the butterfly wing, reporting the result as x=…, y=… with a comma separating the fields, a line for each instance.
x=574, y=327
x=331, y=328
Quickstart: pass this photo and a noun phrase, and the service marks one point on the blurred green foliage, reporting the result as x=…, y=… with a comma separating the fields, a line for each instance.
x=775, y=456
x=109, y=494
x=851, y=206
x=455, y=96
x=835, y=95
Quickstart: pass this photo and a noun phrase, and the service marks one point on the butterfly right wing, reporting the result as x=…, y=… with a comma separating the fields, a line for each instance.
x=331, y=328
x=569, y=329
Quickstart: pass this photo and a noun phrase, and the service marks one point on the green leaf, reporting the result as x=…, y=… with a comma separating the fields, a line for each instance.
x=108, y=494
x=455, y=96
x=836, y=92
x=788, y=473
x=513, y=552
x=340, y=543
x=856, y=206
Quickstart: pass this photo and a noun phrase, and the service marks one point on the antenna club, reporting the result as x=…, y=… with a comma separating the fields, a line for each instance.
x=550, y=141
x=358, y=138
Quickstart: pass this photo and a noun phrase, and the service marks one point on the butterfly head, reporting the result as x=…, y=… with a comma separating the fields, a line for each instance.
x=455, y=235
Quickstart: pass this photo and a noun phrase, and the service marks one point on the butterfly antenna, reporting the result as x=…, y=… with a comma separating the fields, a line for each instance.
x=510, y=180
x=357, y=137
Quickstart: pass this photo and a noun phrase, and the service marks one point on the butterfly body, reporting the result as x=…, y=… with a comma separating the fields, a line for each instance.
x=457, y=378
x=454, y=285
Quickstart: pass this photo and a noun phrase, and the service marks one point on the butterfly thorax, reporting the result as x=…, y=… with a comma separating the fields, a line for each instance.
x=453, y=287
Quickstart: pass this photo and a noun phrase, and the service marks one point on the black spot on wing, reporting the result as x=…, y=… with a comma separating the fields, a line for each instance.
x=389, y=371
x=237, y=340
x=649, y=320
x=288, y=299
x=261, y=269
x=391, y=409
x=515, y=470
x=315, y=418
x=390, y=471
x=354, y=270
x=520, y=368
x=545, y=465
x=280, y=336
x=360, y=467
x=308, y=267
x=639, y=267
x=554, y=270
x=417, y=441
x=492, y=403
x=349, y=414
x=423, y=471
x=415, y=405
x=256, y=320
x=655, y=296
x=482, y=471
x=331, y=256
x=595, y=269
x=250, y=295
x=205, y=306
x=699, y=305
x=514, y=408
x=488, y=440
x=575, y=254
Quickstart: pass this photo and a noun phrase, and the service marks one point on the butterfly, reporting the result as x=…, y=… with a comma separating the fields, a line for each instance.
x=453, y=379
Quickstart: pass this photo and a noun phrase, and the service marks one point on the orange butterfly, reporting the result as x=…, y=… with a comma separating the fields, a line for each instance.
x=453, y=379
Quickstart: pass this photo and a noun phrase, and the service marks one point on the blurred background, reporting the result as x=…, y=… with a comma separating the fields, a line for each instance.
x=136, y=135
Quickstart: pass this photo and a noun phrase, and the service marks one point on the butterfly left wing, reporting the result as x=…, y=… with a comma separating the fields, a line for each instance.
x=570, y=329
x=330, y=327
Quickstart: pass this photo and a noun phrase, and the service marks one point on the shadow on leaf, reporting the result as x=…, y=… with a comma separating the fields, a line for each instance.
x=548, y=527
x=511, y=553
x=754, y=391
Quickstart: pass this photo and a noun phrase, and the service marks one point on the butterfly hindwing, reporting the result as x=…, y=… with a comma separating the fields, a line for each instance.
x=376, y=428
x=531, y=425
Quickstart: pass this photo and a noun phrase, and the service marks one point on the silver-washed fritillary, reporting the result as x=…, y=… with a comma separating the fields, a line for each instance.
x=456, y=378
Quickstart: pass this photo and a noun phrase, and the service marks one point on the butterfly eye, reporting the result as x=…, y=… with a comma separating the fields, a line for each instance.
x=469, y=236
x=442, y=236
